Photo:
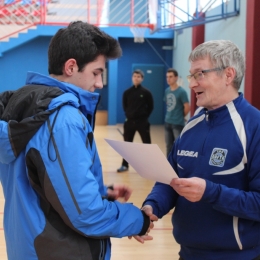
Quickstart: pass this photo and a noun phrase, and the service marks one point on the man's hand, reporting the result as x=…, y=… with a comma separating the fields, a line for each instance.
x=148, y=210
x=143, y=238
x=191, y=189
x=119, y=191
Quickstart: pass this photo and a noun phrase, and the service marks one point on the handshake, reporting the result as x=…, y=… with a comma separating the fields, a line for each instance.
x=117, y=191
x=148, y=210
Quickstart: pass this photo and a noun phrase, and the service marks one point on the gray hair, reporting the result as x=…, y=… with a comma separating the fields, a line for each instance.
x=222, y=53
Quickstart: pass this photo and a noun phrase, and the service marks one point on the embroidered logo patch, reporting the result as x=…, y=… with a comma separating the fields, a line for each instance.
x=218, y=157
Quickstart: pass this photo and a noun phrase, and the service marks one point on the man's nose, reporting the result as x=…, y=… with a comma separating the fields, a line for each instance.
x=99, y=82
x=193, y=83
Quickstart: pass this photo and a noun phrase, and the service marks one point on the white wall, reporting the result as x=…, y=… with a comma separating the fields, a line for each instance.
x=233, y=29
x=181, y=50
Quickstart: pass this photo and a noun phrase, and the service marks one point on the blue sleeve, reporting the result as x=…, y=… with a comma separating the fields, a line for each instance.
x=243, y=203
x=162, y=199
x=234, y=202
x=77, y=181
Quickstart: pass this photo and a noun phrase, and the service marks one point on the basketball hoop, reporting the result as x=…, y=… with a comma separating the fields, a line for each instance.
x=138, y=30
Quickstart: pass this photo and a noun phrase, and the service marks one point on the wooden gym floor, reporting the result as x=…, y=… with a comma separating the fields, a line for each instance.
x=163, y=245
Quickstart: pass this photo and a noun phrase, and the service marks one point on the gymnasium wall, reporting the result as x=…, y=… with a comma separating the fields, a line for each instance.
x=29, y=53
x=233, y=29
x=31, y=56
x=139, y=53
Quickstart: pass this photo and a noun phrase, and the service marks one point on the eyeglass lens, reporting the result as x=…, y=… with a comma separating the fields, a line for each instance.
x=197, y=76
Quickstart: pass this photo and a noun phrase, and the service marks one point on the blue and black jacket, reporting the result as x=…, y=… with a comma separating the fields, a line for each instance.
x=55, y=206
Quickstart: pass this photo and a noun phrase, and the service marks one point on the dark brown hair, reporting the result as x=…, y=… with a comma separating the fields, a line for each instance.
x=84, y=43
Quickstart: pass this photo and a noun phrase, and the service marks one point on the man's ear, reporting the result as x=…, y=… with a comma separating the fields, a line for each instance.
x=230, y=75
x=70, y=67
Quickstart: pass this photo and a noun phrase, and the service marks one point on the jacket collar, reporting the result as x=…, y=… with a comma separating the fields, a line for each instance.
x=137, y=87
x=88, y=101
x=221, y=114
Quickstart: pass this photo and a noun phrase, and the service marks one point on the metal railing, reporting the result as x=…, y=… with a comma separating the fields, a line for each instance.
x=175, y=15
x=19, y=15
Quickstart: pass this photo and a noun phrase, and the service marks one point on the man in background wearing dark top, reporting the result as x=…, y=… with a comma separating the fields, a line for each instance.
x=138, y=105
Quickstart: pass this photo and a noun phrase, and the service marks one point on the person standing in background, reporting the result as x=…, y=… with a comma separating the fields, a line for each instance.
x=178, y=107
x=138, y=106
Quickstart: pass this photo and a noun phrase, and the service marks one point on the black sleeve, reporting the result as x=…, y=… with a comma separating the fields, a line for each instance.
x=124, y=101
x=146, y=225
x=150, y=103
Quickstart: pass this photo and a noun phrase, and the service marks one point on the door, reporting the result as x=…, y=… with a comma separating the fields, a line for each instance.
x=154, y=80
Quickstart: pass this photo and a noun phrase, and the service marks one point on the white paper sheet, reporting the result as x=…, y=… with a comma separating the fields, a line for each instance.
x=147, y=159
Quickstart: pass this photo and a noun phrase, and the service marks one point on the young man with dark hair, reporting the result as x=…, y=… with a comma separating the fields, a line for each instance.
x=138, y=105
x=56, y=205
x=177, y=107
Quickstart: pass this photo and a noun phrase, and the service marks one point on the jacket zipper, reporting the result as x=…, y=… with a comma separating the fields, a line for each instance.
x=102, y=250
x=207, y=115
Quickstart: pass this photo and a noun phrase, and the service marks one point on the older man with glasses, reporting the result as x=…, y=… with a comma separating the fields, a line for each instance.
x=217, y=195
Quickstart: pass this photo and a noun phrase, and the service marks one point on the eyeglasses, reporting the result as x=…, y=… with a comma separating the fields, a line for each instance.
x=200, y=74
